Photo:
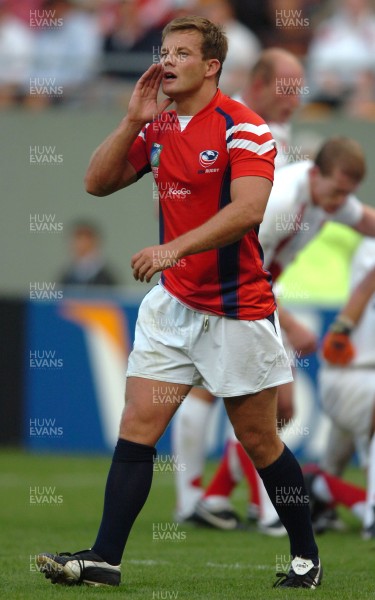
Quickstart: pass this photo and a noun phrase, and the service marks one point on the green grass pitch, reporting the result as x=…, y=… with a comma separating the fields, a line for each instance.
x=162, y=561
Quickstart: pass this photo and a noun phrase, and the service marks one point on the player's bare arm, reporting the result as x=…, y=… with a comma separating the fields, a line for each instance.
x=359, y=298
x=300, y=337
x=366, y=225
x=109, y=170
x=337, y=347
x=249, y=200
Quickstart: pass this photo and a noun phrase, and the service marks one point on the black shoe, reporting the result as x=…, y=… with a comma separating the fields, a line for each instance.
x=327, y=519
x=221, y=519
x=274, y=529
x=80, y=567
x=302, y=573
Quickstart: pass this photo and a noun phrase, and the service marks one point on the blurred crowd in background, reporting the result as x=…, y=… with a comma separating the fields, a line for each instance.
x=90, y=52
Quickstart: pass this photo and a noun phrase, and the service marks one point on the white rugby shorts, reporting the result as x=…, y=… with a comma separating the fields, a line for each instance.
x=228, y=357
x=348, y=397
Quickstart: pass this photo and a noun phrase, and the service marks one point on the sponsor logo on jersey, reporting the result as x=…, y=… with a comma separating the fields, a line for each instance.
x=208, y=157
x=155, y=154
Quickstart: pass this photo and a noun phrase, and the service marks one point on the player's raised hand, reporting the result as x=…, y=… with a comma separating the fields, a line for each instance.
x=143, y=104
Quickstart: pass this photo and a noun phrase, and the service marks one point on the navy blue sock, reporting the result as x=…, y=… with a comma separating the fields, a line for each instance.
x=128, y=485
x=285, y=486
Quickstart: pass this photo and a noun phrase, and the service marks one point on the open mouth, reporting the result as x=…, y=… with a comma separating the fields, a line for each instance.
x=168, y=75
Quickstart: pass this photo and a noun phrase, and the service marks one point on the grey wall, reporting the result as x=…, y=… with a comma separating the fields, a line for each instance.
x=127, y=218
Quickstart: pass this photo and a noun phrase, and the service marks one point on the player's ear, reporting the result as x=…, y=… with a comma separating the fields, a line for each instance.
x=212, y=67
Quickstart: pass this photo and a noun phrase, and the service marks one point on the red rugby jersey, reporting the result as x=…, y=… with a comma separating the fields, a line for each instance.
x=192, y=171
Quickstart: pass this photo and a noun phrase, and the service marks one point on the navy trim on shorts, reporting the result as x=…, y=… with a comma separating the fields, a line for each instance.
x=271, y=319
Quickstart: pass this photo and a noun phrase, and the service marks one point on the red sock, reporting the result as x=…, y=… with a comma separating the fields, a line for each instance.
x=250, y=474
x=222, y=483
x=344, y=492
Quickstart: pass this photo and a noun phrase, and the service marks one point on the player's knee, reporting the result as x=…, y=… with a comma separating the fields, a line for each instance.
x=133, y=424
x=257, y=443
x=284, y=414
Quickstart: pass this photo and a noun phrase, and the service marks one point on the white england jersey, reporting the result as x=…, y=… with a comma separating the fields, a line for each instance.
x=291, y=220
x=363, y=336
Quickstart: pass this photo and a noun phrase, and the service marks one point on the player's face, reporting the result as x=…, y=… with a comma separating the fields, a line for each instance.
x=331, y=191
x=184, y=67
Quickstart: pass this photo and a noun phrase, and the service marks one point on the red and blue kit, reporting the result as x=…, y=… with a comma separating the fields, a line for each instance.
x=193, y=170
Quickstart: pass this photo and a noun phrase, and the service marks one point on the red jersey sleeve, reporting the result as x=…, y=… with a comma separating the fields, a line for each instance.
x=252, y=150
x=137, y=155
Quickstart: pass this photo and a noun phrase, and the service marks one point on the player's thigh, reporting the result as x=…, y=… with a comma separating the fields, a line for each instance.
x=254, y=421
x=149, y=406
x=253, y=414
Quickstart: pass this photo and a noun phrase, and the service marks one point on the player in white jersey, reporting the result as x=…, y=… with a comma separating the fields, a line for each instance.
x=273, y=91
x=347, y=378
x=305, y=195
x=348, y=394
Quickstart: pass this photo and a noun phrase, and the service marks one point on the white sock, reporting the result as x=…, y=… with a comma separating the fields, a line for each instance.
x=188, y=447
x=370, y=498
x=321, y=489
x=268, y=513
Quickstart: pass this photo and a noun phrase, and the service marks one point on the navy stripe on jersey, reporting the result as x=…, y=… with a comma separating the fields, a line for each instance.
x=228, y=260
x=161, y=237
x=228, y=119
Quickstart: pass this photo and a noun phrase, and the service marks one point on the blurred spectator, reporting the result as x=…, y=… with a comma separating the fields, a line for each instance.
x=88, y=265
x=24, y=9
x=341, y=58
x=258, y=17
x=292, y=24
x=16, y=48
x=134, y=41
x=67, y=51
x=244, y=46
